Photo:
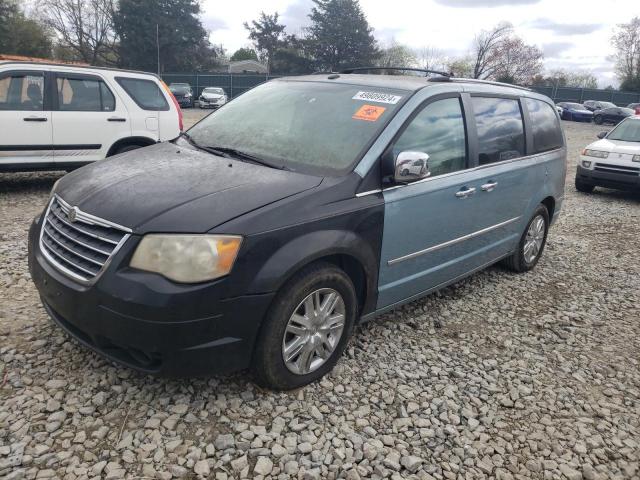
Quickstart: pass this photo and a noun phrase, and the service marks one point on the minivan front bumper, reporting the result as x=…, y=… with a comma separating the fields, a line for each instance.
x=608, y=178
x=147, y=323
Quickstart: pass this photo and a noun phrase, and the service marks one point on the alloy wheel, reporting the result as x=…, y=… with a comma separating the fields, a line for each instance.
x=534, y=240
x=313, y=331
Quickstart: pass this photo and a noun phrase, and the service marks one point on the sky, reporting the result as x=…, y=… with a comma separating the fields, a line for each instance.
x=573, y=34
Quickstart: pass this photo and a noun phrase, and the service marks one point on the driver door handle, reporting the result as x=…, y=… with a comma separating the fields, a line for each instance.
x=467, y=192
x=116, y=119
x=489, y=186
x=35, y=119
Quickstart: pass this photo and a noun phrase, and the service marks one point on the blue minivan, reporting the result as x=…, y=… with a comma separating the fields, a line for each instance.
x=260, y=238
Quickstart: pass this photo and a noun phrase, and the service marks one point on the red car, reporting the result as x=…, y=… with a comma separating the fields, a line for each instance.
x=635, y=107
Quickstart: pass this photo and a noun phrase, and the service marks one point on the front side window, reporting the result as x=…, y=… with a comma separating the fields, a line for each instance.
x=145, y=93
x=22, y=92
x=84, y=95
x=500, y=129
x=312, y=127
x=437, y=130
x=547, y=134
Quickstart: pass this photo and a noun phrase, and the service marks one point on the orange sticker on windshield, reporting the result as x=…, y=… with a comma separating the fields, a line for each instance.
x=370, y=113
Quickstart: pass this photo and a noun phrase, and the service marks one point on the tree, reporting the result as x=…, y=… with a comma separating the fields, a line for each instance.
x=564, y=78
x=267, y=35
x=484, y=47
x=291, y=57
x=20, y=35
x=626, y=42
x=396, y=55
x=515, y=62
x=340, y=36
x=461, y=67
x=431, y=58
x=84, y=27
x=244, y=54
x=183, y=41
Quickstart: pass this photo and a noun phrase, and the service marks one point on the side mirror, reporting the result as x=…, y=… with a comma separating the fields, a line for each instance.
x=411, y=166
x=602, y=134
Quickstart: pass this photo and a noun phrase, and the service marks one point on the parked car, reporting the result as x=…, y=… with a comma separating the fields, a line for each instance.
x=613, y=161
x=213, y=97
x=593, y=105
x=60, y=117
x=183, y=94
x=611, y=115
x=635, y=107
x=262, y=236
x=575, y=112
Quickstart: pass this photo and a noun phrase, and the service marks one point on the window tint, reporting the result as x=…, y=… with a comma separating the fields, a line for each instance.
x=547, y=134
x=500, y=129
x=437, y=130
x=84, y=95
x=22, y=92
x=145, y=93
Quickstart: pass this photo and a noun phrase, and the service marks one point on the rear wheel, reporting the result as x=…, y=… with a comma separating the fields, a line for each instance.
x=584, y=187
x=126, y=148
x=306, y=329
x=531, y=244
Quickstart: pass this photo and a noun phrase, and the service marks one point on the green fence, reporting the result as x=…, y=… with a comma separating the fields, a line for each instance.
x=233, y=85
x=581, y=95
x=237, y=84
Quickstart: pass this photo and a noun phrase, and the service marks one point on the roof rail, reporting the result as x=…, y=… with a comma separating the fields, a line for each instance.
x=488, y=82
x=409, y=69
x=58, y=64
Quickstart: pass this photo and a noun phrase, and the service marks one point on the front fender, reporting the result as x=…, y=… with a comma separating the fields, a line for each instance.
x=295, y=254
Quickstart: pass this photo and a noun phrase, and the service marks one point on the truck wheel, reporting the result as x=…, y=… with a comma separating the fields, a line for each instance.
x=531, y=243
x=584, y=187
x=306, y=329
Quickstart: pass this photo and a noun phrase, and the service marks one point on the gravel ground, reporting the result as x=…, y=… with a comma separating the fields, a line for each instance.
x=500, y=376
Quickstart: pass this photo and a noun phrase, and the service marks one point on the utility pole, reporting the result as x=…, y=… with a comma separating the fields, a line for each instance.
x=158, y=46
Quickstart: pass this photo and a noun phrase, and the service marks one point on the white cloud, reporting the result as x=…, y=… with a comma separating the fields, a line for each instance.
x=568, y=31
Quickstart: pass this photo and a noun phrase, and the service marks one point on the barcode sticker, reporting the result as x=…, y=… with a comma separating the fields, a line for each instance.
x=377, y=97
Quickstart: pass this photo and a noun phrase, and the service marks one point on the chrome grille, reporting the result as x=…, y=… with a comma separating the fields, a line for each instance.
x=76, y=243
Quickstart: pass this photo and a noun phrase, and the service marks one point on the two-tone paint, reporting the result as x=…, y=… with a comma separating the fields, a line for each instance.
x=396, y=242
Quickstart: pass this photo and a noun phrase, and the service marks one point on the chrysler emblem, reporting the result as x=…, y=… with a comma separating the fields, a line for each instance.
x=73, y=214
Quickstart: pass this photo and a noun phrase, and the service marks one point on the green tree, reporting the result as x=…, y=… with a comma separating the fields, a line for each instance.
x=291, y=58
x=626, y=42
x=340, y=36
x=20, y=35
x=267, y=36
x=244, y=54
x=396, y=55
x=183, y=41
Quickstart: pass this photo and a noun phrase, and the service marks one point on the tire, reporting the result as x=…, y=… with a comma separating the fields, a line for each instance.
x=518, y=262
x=584, y=187
x=268, y=363
x=597, y=119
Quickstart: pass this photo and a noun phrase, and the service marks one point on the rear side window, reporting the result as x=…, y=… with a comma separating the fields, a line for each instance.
x=22, y=91
x=84, y=95
x=145, y=93
x=437, y=130
x=500, y=129
x=547, y=134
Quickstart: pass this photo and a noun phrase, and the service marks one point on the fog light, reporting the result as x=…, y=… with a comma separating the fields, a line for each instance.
x=586, y=164
x=636, y=158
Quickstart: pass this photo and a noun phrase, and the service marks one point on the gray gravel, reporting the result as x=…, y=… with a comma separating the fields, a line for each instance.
x=527, y=376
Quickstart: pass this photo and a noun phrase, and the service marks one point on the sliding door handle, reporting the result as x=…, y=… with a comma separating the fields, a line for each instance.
x=489, y=186
x=35, y=119
x=116, y=119
x=467, y=192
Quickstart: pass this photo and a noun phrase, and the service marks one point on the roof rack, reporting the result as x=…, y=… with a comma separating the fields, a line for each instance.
x=58, y=64
x=488, y=82
x=410, y=69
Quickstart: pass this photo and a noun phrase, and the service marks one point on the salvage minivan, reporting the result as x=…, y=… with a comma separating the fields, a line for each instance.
x=260, y=238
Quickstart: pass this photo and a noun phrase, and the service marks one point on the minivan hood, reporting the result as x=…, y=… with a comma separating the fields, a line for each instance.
x=166, y=188
x=616, y=146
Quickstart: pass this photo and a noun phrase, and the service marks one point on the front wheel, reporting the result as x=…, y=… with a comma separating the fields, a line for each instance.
x=306, y=329
x=597, y=120
x=583, y=187
x=531, y=243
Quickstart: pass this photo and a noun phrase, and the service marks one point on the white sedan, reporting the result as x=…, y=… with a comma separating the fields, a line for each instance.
x=212, y=97
x=613, y=161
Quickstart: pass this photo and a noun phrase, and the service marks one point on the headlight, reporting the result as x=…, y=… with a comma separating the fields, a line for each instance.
x=187, y=258
x=636, y=158
x=594, y=153
x=187, y=95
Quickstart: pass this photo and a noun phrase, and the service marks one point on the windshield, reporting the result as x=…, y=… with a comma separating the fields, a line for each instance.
x=217, y=91
x=626, y=131
x=179, y=88
x=313, y=127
